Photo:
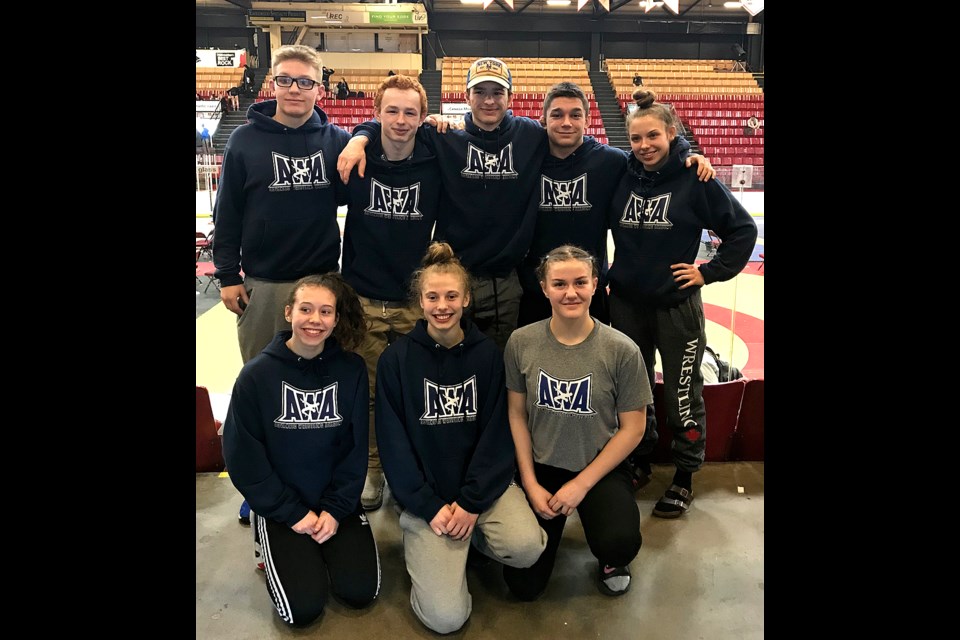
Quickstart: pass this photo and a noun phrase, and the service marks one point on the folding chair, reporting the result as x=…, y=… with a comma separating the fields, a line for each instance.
x=204, y=246
x=207, y=269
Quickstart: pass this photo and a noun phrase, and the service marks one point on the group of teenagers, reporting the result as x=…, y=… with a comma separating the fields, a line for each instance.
x=463, y=348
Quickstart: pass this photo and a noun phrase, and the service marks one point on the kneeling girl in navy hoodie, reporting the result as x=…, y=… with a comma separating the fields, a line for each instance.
x=446, y=449
x=295, y=442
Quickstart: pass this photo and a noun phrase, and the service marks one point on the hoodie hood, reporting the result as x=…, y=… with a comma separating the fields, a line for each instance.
x=589, y=145
x=471, y=337
x=375, y=159
x=261, y=115
x=503, y=129
x=278, y=349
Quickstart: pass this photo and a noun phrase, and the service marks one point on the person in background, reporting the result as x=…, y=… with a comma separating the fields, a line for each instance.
x=657, y=216
x=234, y=94
x=637, y=80
x=387, y=229
x=343, y=89
x=248, y=79
x=295, y=441
x=205, y=139
x=447, y=452
x=327, y=72
x=577, y=395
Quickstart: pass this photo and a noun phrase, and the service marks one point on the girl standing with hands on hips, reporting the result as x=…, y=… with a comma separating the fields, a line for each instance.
x=657, y=217
x=577, y=397
x=445, y=445
x=295, y=442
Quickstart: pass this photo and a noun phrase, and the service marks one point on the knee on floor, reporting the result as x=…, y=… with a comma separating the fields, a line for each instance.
x=442, y=619
x=302, y=616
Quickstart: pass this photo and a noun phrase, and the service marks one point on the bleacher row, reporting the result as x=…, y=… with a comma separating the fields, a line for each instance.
x=529, y=75
x=713, y=102
x=213, y=81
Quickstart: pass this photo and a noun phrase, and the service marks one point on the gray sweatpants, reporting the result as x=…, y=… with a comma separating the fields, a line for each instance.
x=495, y=305
x=679, y=334
x=507, y=532
x=263, y=316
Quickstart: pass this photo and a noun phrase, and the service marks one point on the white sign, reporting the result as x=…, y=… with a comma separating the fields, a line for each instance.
x=221, y=57
x=454, y=108
x=753, y=7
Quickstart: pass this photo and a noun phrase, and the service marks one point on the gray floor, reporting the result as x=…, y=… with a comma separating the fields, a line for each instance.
x=700, y=577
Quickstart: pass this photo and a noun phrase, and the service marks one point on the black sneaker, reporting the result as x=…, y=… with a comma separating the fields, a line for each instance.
x=614, y=581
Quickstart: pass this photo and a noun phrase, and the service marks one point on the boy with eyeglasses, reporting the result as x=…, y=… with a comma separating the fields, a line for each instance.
x=275, y=218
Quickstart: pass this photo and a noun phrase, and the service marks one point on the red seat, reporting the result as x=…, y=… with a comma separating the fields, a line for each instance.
x=748, y=441
x=209, y=447
x=722, y=405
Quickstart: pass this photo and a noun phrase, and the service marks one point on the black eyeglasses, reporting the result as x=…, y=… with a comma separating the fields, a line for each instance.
x=304, y=83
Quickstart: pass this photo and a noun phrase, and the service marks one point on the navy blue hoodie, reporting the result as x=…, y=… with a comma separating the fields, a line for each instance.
x=657, y=219
x=574, y=196
x=489, y=200
x=296, y=433
x=389, y=222
x=276, y=211
x=441, y=421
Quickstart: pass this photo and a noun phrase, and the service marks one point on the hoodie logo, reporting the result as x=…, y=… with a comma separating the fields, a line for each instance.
x=308, y=409
x=564, y=396
x=449, y=403
x=298, y=174
x=649, y=213
x=394, y=202
x=564, y=195
x=490, y=166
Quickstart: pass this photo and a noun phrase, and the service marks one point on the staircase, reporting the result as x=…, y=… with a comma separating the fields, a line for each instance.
x=432, y=83
x=609, y=110
x=759, y=78
x=233, y=119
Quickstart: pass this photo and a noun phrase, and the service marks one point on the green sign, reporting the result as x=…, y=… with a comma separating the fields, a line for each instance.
x=391, y=17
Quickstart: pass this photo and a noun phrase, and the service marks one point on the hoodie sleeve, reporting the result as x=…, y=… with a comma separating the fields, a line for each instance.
x=400, y=463
x=492, y=465
x=342, y=495
x=247, y=463
x=724, y=215
x=228, y=216
x=369, y=129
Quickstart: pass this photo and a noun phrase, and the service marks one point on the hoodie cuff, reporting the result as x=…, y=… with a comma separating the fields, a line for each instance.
x=296, y=516
x=708, y=274
x=230, y=281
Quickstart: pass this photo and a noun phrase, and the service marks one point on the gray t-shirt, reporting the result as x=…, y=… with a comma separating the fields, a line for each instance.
x=574, y=393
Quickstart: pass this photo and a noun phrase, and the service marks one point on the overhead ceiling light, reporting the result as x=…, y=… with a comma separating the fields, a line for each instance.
x=334, y=21
x=732, y=5
x=558, y=3
x=471, y=1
